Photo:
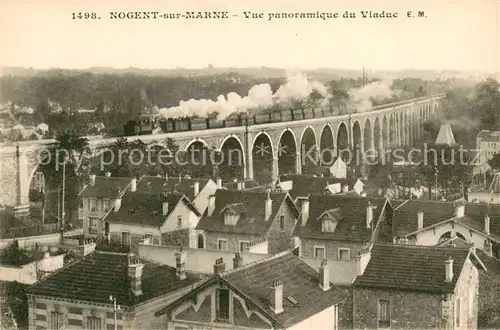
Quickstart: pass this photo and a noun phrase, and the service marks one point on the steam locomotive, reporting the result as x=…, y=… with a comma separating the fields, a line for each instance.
x=147, y=125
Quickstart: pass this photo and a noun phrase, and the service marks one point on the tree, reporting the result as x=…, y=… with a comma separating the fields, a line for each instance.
x=70, y=154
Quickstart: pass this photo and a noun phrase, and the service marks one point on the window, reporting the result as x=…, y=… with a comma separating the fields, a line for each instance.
x=457, y=313
x=93, y=204
x=125, y=238
x=222, y=312
x=384, y=313
x=40, y=306
x=74, y=310
x=156, y=240
x=328, y=226
x=74, y=322
x=56, y=320
x=344, y=254
x=244, y=245
x=99, y=204
x=201, y=241
x=222, y=244
x=319, y=252
x=93, y=323
x=179, y=221
x=282, y=222
x=40, y=317
x=148, y=239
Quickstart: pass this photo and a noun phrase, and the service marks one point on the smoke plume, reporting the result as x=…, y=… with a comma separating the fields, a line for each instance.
x=260, y=96
x=361, y=99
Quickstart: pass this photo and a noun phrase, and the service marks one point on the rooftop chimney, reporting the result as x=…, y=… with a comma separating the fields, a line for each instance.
x=196, y=188
x=324, y=275
x=449, y=270
x=107, y=174
x=180, y=264
x=369, y=215
x=459, y=211
x=487, y=224
x=211, y=205
x=239, y=185
x=268, y=205
x=305, y=212
x=135, y=274
x=420, y=220
x=345, y=188
x=86, y=246
x=165, y=208
x=237, y=261
x=46, y=254
x=277, y=297
x=118, y=204
x=92, y=179
x=133, y=185
x=219, y=267
x=219, y=183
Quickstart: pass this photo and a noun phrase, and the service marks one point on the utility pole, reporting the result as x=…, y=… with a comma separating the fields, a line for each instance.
x=116, y=308
x=63, y=214
x=59, y=205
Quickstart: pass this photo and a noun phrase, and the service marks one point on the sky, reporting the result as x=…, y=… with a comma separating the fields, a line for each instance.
x=462, y=35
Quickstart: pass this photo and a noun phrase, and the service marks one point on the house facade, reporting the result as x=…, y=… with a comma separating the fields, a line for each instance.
x=441, y=283
x=98, y=197
x=236, y=219
x=338, y=228
x=291, y=295
x=130, y=290
x=152, y=218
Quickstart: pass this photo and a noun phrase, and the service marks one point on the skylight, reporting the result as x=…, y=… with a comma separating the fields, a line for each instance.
x=292, y=300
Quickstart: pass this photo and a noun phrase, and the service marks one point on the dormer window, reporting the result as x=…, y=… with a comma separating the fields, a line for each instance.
x=329, y=220
x=232, y=213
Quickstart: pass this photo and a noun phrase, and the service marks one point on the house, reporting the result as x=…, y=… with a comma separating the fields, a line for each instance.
x=337, y=228
x=99, y=196
x=105, y=290
x=140, y=217
x=489, y=285
x=492, y=195
x=432, y=222
x=236, y=219
x=279, y=292
x=488, y=144
x=300, y=186
x=422, y=287
x=337, y=170
x=196, y=190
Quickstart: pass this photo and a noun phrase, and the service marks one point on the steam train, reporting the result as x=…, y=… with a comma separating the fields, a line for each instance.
x=145, y=125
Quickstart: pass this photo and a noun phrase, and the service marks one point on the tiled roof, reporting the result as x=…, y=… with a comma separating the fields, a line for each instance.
x=352, y=225
x=412, y=267
x=405, y=215
x=253, y=221
x=301, y=282
x=155, y=185
x=492, y=264
x=106, y=187
x=489, y=136
x=303, y=185
x=98, y=275
x=147, y=209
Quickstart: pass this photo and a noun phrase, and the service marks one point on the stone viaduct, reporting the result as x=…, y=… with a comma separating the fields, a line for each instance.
x=379, y=129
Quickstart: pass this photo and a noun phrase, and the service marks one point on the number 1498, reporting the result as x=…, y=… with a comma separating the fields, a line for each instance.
x=85, y=15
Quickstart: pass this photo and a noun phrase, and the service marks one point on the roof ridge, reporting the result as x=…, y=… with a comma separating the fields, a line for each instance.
x=254, y=263
x=428, y=247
